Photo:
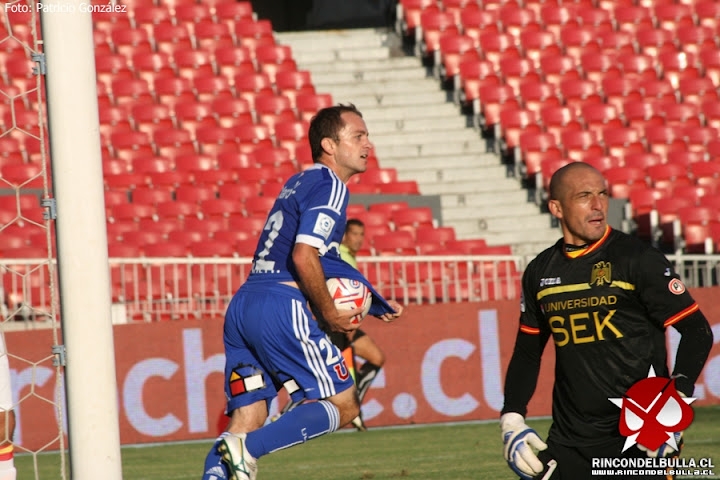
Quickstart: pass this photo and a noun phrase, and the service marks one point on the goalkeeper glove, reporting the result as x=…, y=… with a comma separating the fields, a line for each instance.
x=666, y=449
x=519, y=440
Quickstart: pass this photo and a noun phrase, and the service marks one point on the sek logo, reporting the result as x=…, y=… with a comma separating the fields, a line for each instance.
x=652, y=410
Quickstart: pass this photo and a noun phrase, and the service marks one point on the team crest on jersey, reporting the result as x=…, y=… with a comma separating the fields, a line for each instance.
x=676, y=286
x=324, y=225
x=601, y=274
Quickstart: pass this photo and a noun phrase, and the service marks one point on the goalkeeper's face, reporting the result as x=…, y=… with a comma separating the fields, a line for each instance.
x=582, y=207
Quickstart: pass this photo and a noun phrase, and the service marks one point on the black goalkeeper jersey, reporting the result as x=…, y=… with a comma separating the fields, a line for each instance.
x=606, y=310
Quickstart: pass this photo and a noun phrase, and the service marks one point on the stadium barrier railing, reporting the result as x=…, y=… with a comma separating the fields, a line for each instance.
x=158, y=289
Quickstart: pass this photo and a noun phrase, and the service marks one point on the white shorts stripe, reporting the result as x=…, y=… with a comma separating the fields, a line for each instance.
x=312, y=353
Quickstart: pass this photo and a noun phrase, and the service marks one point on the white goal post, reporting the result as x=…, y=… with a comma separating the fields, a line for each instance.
x=83, y=272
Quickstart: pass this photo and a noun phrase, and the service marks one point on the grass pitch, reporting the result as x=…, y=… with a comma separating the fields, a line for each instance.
x=469, y=451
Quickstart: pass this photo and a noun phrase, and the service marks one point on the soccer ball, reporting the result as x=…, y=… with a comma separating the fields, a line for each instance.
x=349, y=294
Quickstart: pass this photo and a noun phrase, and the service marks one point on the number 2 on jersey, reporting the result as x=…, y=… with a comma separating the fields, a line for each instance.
x=274, y=224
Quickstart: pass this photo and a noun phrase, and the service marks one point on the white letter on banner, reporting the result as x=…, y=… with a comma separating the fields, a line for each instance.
x=490, y=358
x=712, y=370
x=431, y=382
x=37, y=376
x=197, y=370
x=133, y=397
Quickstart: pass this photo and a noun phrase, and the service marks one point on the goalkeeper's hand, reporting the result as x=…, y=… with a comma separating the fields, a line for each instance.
x=666, y=449
x=519, y=440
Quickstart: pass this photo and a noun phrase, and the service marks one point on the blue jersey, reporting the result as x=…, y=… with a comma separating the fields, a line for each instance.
x=310, y=209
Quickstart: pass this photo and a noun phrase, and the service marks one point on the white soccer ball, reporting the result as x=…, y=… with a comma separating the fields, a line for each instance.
x=349, y=294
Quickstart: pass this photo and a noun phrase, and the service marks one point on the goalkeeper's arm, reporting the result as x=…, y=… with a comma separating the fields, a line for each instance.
x=520, y=441
x=692, y=352
x=523, y=370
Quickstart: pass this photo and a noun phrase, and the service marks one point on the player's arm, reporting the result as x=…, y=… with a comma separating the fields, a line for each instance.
x=523, y=371
x=312, y=284
x=670, y=304
x=693, y=350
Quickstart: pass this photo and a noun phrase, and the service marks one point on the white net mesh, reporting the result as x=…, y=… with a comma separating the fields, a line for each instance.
x=27, y=268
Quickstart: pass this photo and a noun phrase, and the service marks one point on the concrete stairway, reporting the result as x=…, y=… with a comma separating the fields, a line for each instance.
x=418, y=131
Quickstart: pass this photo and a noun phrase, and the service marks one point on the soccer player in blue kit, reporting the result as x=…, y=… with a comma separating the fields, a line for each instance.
x=272, y=339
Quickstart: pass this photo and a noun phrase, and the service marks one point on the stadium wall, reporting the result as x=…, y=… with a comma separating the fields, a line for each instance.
x=445, y=363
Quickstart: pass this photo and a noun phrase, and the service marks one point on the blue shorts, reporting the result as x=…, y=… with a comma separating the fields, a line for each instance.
x=271, y=339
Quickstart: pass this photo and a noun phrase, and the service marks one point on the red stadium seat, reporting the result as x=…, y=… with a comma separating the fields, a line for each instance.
x=535, y=44
x=307, y=105
x=452, y=50
x=177, y=209
x=258, y=205
x=414, y=217
x=538, y=95
x=170, y=38
x=655, y=41
x=516, y=20
x=598, y=66
x=233, y=12
x=211, y=35
x=395, y=243
x=633, y=18
x=514, y=122
x=556, y=68
x=579, y=41
x=695, y=38
x=617, y=42
x=557, y=17
x=131, y=211
x=496, y=46
x=477, y=21
x=621, y=179
x=129, y=41
x=193, y=63
x=642, y=160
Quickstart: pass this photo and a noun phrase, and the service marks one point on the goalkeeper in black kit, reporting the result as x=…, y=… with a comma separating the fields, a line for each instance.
x=605, y=298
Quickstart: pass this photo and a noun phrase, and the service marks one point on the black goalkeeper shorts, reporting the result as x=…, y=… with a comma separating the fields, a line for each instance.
x=340, y=339
x=575, y=463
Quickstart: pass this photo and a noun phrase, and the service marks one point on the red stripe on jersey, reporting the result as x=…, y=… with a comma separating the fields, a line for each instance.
x=676, y=318
x=530, y=330
x=591, y=248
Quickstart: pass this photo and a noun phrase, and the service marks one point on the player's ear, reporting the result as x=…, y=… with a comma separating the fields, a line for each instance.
x=328, y=145
x=554, y=208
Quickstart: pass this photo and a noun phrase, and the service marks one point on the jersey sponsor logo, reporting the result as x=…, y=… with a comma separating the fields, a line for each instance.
x=601, y=274
x=667, y=272
x=580, y=328
x=550, y=281
x=676, y=286
x=651, y=411
x=324, y=225
x=522, y=302
x=286, y=192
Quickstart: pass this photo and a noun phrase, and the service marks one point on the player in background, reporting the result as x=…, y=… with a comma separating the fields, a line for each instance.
x=360, y=343
x=271, y=338
x=606, y=299
x=7, y=417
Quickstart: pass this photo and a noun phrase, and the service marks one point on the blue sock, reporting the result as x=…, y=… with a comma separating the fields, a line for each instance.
x=215, y=469
x=299, y=425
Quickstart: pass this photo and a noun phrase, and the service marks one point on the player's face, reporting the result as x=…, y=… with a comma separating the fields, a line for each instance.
x=354, y=238
x=353, y=147
x=583, y=207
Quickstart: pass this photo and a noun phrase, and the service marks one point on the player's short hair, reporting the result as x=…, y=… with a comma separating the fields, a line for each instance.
x=557, y=185
x=356, y=222
x=327, y=123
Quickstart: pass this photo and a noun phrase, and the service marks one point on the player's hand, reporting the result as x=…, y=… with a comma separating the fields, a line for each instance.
x=666, y=449
x=390, y=317
x=519, y=441
x=343, y=320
